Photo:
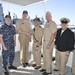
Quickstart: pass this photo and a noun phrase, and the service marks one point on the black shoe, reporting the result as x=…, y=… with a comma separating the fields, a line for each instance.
x=59, y=74
x=45, y=73
x=42, y=70
x=53, y=59
x=34, y=65
x=37, y=67
x=24, y=65
x=56, y=70
x=12, y=67
x=27, y=64
x=5, y=71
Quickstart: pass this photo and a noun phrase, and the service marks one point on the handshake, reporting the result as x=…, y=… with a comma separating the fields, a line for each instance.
x=29, y=35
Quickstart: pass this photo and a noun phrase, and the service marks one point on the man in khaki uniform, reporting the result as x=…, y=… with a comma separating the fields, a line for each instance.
x=73, y=63
x=24, y=28
x=49, y=29
x=37, y=43
x=64, y=44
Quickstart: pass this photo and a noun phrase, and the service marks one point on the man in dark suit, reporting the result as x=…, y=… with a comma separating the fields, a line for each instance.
x=64, y=44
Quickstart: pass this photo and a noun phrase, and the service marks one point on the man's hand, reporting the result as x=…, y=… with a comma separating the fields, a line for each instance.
x=5, y=49
x=28, y=34
x=67, y=53
x=48, y=46
x=36, y=48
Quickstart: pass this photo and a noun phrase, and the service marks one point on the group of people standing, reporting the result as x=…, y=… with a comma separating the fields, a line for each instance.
x=48, y=37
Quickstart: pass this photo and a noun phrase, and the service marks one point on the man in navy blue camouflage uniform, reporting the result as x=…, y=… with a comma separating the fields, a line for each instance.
x=8, y=41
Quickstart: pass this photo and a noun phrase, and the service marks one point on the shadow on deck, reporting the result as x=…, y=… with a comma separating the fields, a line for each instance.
x=28, y=70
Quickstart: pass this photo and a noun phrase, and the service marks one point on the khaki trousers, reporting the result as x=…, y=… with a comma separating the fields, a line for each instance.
x=61, y=61
x=47, y=57
x=37, y=54
x=73, y=64
x=24, y=44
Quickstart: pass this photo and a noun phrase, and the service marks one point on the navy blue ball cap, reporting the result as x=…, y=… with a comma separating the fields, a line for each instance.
x=25, y=12
x=37, y=19
x=8, y=16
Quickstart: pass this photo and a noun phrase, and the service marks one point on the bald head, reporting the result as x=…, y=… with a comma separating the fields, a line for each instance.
x=48, y=16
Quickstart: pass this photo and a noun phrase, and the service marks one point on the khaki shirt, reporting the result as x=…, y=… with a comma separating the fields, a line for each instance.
x=24, y=25
x=37, y=32
x=49, y=29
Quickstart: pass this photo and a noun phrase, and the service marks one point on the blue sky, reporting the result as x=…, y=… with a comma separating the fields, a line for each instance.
x=58, y=8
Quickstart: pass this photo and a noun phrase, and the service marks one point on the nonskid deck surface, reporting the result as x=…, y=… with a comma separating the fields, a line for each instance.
x=28, y=70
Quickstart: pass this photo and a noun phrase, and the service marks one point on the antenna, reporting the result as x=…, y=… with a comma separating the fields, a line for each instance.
x=45, y=6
